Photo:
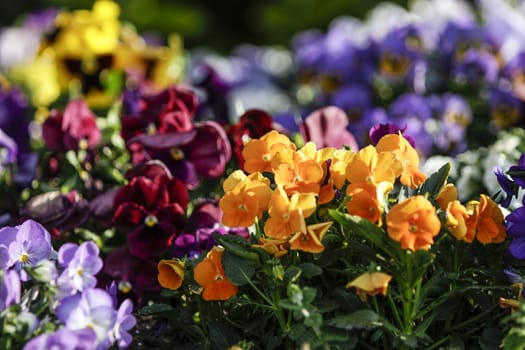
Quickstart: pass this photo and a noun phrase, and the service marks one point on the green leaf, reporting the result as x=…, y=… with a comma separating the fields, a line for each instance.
x=515, y=340
x=221, y=335
x=421, y=259
x=309, y=294
x=362, y=319
x=155, y=309
x=313, y=320
x=490, y=339
x=238, y=269
x=238, y=246
x=310, y=270
x=291, y=275
x=435, y=182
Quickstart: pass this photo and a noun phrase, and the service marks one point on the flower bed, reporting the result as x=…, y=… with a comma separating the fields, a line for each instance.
x=359, y=189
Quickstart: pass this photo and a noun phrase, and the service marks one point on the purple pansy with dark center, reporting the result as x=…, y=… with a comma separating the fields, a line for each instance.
x=64, y=339
x=476, y=67
x=413, y=110
x=513, y=72
x=505, y=108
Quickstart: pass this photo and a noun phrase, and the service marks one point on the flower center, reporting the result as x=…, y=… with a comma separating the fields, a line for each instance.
x=218, y=277
x=151, y=129
x=124, y=287
x=151, y=220
x=176, y=153
x=242, y=207
x=80, y=272
x=83, y=144
x=24, y=257
x=412, y=228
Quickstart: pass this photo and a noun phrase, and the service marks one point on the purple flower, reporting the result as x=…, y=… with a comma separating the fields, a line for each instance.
x=10, y=289
x=125, y=321
x=476, y=67
x=380, y=130
x=514, y=74
x=507, y=185
x=91, y=309
x=31, y=244
x=505, y=108
x=81, y=264
x=517, y=172
x=515, y=222
x=64, y=339
x=414, y=111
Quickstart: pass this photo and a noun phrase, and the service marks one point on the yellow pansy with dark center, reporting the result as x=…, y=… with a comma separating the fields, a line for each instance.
x=176, y=153
x=151, y=220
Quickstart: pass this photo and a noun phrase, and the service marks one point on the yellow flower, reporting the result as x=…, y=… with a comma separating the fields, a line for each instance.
x=171, y=273
x=209, y=274
x=413, y=223
x=411, y=175
x=340, y=161
x=370, y=283
x=287, y=214
x=364, y=201
x=310, y=241
x=447, y=194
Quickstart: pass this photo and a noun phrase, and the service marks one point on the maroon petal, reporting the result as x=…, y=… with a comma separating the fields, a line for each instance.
x=52, y=132
x=143, y=191
x=164, y=141
x=79, y=123
x=178, y=192
x=149, y=169
x=128, y=216
x=149, y=242
x=210, y=150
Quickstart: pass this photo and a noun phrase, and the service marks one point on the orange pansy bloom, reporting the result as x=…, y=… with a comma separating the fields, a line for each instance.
x=275, y=247
x=370, y=283
x=447, y=194
x=287, y=214
x=245, y=198
x=310, y=241
x=364, y=201
x=296, y=172
x=457, y=216
x=411, y=175
x=171, y=273
x=258, y=153
x=369, y=166
x=209, y=274
x=413, y=223
x=486, y=221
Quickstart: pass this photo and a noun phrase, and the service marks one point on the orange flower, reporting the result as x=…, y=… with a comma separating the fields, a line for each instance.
x=258, y=153
x=287, y=215
x=486, y=221
x=310, y=241
x=275, y=247
x=245, y=198
x=364, y=201
x=171, y=273
x=369, y=166
x=370, y=283
x=411, y=175
x=447, y=194
x=457, y=216
x=413, y=223
x=296, y=172
x=209, y=274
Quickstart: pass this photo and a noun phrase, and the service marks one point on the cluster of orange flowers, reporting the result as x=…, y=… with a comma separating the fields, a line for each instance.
x=304, y=179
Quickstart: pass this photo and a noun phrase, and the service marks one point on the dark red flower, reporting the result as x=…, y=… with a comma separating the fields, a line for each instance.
x=253, y=124
x=151, y=212
x=73, y=129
